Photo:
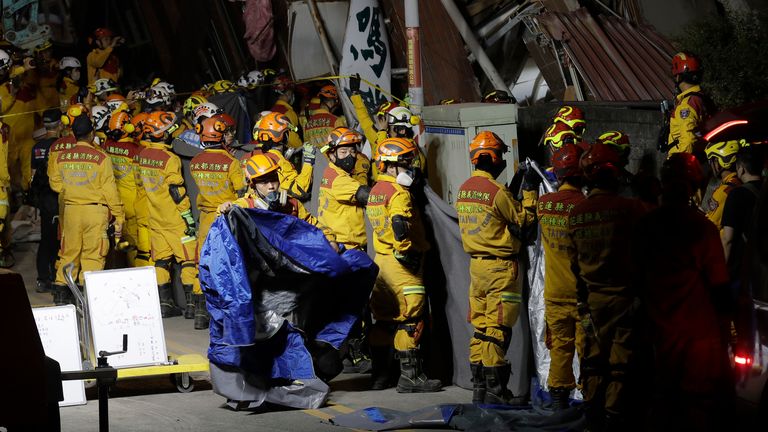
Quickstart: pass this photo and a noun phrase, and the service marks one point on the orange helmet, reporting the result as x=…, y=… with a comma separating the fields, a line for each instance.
x=489, y=144
x=211, y=130
x=73, y=111
x=120, y=124
x=329, y=92
x=559, y=134
x=573, y=117
x=273, y=127
x=565, y=161
x=227, y=120
x=259, y=165
x=600, y=163
x=395, y=150
x=116, y=102
x=158, y=124
x=340, y=137
x=618, y=140
x=138, y=124
x=684, y=62
x=281, y=84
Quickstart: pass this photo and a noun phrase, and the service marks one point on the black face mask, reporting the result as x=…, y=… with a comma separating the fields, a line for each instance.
x=347, y=163
x=403, y=132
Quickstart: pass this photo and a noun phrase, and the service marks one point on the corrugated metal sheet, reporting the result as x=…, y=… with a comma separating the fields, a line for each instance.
x=617, y=61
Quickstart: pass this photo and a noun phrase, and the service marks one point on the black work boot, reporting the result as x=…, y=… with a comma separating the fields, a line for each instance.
x=202, y=319
x=189, y=308
x=412, y=379
x=60, y=294
x=168, y=307
x=478, y=383
x=559, y=398
x=382, y=359
x=43, y=287
x=497, y=393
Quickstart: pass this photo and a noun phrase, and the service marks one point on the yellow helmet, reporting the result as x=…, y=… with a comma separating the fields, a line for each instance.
x=258, y=166
x=191, y=103
x=341, y=136
x=724, y=152
x=73, y=111
x=223, y=86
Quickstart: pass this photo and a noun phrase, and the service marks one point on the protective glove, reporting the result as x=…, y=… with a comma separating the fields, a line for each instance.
x=411, y=260
x=190, y=221
x=531, y=179
x=354, y=83
x=309, y=153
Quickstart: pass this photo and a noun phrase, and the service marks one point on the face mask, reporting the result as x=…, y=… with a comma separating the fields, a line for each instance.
x=273, y=200
x=347, y=163
x=405, y=178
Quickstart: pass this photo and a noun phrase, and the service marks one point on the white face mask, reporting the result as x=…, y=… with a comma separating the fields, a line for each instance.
x=404, y=178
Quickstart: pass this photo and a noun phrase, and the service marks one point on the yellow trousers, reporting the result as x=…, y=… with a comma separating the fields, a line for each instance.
x=206, y=220
x=84, y=240
x=567, y=337
x=494, y=306
x=5, y=205
x=398, y=297
x=170, y=244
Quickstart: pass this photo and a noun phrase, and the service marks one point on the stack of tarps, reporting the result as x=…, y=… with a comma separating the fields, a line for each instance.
x=282, y=302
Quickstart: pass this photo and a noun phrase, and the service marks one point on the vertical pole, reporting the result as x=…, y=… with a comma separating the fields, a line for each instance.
x=412, y=32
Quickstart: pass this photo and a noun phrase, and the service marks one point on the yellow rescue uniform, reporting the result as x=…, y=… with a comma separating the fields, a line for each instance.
x=339, y=209
x=490, y=220
x=123, y=152
x=103, y=63
x=141, y=205
x=5, y=184
x=686, y=121
x=86, y=185
x=298, y=184
x=398, y=295
x=292, y=207
x=163, y=184
x=320, y=125
x=283, y=107
x=561, y=313
x=67, y=89
x=21, y=120
x=219, y=178
x=47, y=93
x=717, y=200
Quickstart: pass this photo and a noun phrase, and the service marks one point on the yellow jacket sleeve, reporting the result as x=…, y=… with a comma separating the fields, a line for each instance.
x=108, y=188
x=340, y=121
x=5, y=176
x=7, y=99
x=237, y=178
x=54, y=175
x=366, y=123
x=520, y=214
x=173, y=178
x=97, y=57
x=294, y=140
x=400, y=205
x=142, y=212
x=683, y=127
x=307, y=217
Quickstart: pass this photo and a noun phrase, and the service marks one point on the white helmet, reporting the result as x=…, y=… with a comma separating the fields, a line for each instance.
x=69, y=62
x=251, y=79
x=206, y=110
x=104, y=85
x=400, y=116
x=100, y=116
x=161, y=93
x=5, y=60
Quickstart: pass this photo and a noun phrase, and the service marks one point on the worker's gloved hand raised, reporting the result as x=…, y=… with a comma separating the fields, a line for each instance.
x=354, y=83
x=309, y=153
x=190, y=221
x=411, y=260
x=531, y=179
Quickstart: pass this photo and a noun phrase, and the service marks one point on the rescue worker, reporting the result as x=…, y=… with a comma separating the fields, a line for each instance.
x=123, y=150
x=283, y=87
x=564, y=330
x=398, y=301
x=692, y=107
x=557, y=135
x=19, y=102
x=6, y=258
x=491, y=221
x=342, y=198
x=143, y=242
x=171, y=226
x=219, y=178
x=573, y=117
x=681, y=276
x=102, y=61
x=619, y=142
x=271, y=133
x=100, y=118
x=46, y=201
x=264, y=193
x=323, y=120
x=102, y=88
x=188, y=109
x=721, y=157
x=47, y=74
x=69, y=79
x=600, y=228
x=86, y=185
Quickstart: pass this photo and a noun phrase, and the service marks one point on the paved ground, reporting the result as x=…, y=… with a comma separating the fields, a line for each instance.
x=153, y=404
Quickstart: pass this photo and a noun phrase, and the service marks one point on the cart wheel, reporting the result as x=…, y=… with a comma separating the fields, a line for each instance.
x=183, y=381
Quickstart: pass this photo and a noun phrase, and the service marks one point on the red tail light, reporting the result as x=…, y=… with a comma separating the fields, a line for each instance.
x=743, y=361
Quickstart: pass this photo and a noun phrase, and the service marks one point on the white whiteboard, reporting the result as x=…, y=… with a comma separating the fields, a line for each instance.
x=57, y=327
x=125, y=301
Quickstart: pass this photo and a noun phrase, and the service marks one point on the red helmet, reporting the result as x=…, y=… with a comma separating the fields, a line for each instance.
x=281, y=84
x=227, y=120
x=682, y=170
x=102, y=32
x=618, y=140
x=684, y=62
x=573, y=117
x=565, y=161
x=329, y=92
x=600, y=162
x=559, y=134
